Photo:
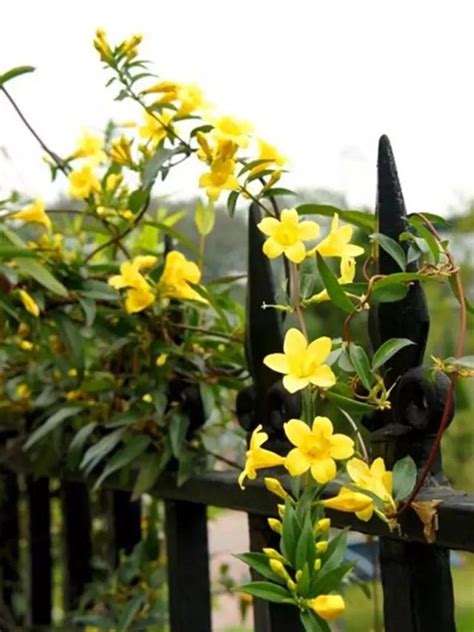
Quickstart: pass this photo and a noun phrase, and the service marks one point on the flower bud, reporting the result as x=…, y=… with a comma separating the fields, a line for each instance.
x=322, y=525
x=281, y=511
x=321, y=547
x=274, y=555
x=278, y=568
x=275, y=487
x=275, y=525
x=317, y=565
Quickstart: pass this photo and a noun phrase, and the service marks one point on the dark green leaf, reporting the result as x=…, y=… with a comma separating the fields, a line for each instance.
x=15, y=72
x=259, y=562
x=177, y=433
x=327, y=581
x=151, y=466
x=389, y=293
x=388, y=350
x=361, y=219
x=98, y=451
x=311, y=624
x=51, y=423
x=77, y=444
x=404, y=477
x=425, y=233
x=131, y=609
x=265, y=590
x=131, y=451
x=232, y=202
x=351, y=406
x=277, y=191
x=361, y=364
x=335, y=291
x=391, y=247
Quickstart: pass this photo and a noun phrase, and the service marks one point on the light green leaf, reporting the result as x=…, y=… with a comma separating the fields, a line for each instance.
x=77, y=444
x=177, y=433
x=361, y=219
x=266, y=590
x=391, y=247
x=15, y=72
x=204, y=217
x=361, y=364
x=388, y=350
x=404, y=477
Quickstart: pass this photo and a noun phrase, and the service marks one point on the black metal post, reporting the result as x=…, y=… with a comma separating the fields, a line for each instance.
x=9, y=537
x=126, y=516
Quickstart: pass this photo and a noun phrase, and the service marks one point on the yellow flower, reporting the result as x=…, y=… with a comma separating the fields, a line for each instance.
x=156, y=128
x=129, y=47
x=220, y=177
x=228, y=128
x=286, y=235
x=328, y=607
x=177, y=274
x=29, y=303
x=83, y=182
x=322, y=525
x=90, y=147
x=23, y=391
x=139, y=293
x=191, y=98
x=269, y=153
x=347, y=269
x=274, y=524
x=321, y=547
x=120, y=151
x=26, y=345
x=161, y=359
x=34, y=213
x=102, y=46
x=302, y=363
x=316, y=448
x=258, y=457
x=336, y=244
x=375, y=479
x=351, y=502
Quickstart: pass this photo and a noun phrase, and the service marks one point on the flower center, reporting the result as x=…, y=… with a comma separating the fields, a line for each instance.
x=317, y=448
x=303, y=365
x=287, y=234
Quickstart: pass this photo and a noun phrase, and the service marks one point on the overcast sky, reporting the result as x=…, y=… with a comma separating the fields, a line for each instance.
x=321, y=80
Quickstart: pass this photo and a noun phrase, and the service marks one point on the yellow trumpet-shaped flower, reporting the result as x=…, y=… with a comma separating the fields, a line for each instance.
x=302, y=363
x=220, y=177
x=286, y=235
x=351, y=502
x=191, y=98
x=228, y=128
x=34, y=213
x=317, y=448
x=156, y=128
x=120, y=151
x=83, y=183
x=101, y=45
x=270, y=154
x=139, y=293
x=258, y=457
x=347, y=270
x=336, y=244
x=177, y=274
x=328, y=607
x=29, y=303
x=91, y=147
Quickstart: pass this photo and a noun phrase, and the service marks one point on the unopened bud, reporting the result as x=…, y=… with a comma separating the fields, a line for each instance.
x=290, y=584
x=275, y=487
x=278, y=568
x=322, y=525
x=321, y=547
x=274, y=555
x=281, y=510
x=317, y=564
x=275, y=525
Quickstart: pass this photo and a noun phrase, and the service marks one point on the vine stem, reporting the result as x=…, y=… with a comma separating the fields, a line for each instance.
x=295, y=291
x=458, y=354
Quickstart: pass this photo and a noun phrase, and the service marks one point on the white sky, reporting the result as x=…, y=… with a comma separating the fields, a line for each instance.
x=320, y=79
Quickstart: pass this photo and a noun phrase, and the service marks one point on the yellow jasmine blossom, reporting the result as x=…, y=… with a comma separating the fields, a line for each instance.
x=347, y=269
x=374, y=478
x=317, y=448
x=177, y=274
x=351, y=502
x=83, y=182
x=336, y=244
x=286, y=235
x=302, y=363
x=129, y=47
x=91, y=147
x=166, y=87
x=191, y=98
x=228, y=128
x=102, y=46
x=139, y=293
x=34, y=213
x=29, y=303
x=269, y=153
x=220, y=177
x=26, y=345
x=120, y=151
x=328, y=607
x=23, y=391
x=156, y=128
x=113, y=181
x=161, y=359
x=258, y=457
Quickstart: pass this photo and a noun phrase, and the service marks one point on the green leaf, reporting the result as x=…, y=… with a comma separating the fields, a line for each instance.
x=172, y=232
x=90, y=309
x=425, y=233
x=98, y=451
x=73, y=339
x=8, y=252
x=313, y=624
x=177, y=433
x=305, y=549
x=335, y=291
x=137, y=200
x=466, y=362
x=41, y=274
x=204, y=217
x=389, y=293
x=351, y=406
x=431, y=217
x=151, y=466
x=388, y=350
x=232, y=202
x=131, y=609
x=252, y=164
x=391, y=247
x=259, y=562
x=154, y=164
x=77, y=444
x=404, y=477
x=361, y=364
x=278, y=191
x=132, y=450
x=361, y=219
x=266, y=590
x=327, y=581
x=51, y=423
x=15, y=72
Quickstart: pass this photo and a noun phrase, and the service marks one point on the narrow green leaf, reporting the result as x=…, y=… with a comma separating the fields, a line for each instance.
x=259, y=562
x=419, y=225
x=389, y=293
x=130, y=611
x=313, y=624
x=391, y=247
x=98, y=451
x=40, y=273
x=388, y=350
x=15, y=72
x=361, y=364
x=51, y=423
x=265, y=590
x=351, y=406
x=466, y=362
x=232, y=202
x=404, y=477
x=335, y=291
x=77, y=444
x=361, y=219
x=131, y=450
x=177, y=433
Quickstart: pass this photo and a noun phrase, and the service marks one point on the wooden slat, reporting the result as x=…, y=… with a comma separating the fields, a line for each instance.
x=188, y=567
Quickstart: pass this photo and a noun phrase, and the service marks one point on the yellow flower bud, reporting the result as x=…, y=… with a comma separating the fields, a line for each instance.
x=321, y=547
x=29, y=303
x=281, y=510
x=278, y=568
x=290, y=584
x=113, y=181
x=275, y=525
x=322, y=525
x=298, y=575
x=274, y=555
x=317, y=564
x=328, y=607
x=72, y=372
x=26, y=345
x=23, y=330
x=161, y=359
x=147, y=398
x=275, y=487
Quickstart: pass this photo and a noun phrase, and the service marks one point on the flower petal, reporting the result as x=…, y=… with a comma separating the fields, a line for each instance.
x=387, y=480
x=342, y=446
x=268, y=226
x=322, y=427
x=272, y=248
x=290, y=216
x=292, y=383
x=324, y=471
x=295, y=342
x=366, y=514
x=377, y=468
x=277, y=362
x=296, y=463
x=296, y=252
x=323, y=377
x=351, y=250
x=358, y=470
x=297, y=431
x=308, y=230
x=320, y=348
